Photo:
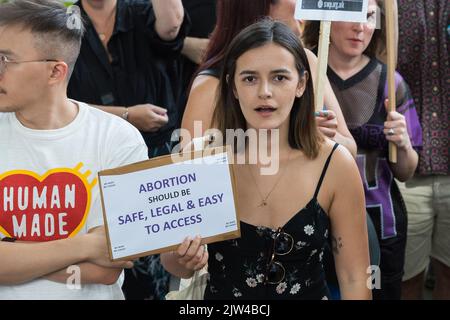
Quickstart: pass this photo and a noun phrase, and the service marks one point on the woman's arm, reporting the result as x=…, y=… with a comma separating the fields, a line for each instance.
x=332, y=125
x=349, y=227
x=200, y=105
x=407, y=160
x=169, y=17
x=194, y=48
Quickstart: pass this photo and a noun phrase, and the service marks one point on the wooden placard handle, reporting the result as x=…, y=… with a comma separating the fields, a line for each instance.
x=391, y=63
x=324, y=42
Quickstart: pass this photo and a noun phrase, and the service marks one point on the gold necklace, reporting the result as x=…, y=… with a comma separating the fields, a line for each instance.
x=264, y=199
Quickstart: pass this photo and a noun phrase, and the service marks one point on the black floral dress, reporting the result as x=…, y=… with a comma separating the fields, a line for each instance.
x=242, y=268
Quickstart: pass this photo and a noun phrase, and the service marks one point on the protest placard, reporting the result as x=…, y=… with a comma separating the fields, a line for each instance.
x=152, y=206
x=329, y=10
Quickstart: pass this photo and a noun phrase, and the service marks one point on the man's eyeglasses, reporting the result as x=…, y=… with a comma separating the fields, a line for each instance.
x=282, y=245
x=4, y=62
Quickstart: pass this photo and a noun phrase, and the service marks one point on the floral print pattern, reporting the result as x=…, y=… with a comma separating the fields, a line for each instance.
x=295, y=288
x=281, y=287
x=309, y=230
x=251, y=282
x=219, y=257
x=238, y=267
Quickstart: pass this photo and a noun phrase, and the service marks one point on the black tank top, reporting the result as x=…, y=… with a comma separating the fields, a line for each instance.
x=238, y=268
x=212, y=72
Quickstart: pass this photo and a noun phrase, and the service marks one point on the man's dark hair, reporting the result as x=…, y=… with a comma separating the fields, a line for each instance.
x=57, y=30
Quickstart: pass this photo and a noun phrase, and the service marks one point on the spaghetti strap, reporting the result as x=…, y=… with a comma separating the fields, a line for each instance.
x=325, y=170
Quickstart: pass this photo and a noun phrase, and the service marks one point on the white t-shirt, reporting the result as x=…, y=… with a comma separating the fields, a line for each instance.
x=49, y=188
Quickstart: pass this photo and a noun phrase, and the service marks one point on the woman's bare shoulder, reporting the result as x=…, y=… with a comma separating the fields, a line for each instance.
x=341, y=159
x=205, y=82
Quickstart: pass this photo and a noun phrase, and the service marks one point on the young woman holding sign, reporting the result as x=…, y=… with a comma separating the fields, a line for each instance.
x=232, y=17
x=359, y=82
x=286, y=218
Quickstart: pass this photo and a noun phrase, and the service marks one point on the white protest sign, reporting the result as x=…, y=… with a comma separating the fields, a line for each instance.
x=151, y=210
x=329, y=10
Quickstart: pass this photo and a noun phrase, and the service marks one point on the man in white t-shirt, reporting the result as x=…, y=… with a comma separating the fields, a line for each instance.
x=51, y=148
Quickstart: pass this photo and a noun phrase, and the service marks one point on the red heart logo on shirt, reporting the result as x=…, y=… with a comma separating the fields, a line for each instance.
x=43, y=208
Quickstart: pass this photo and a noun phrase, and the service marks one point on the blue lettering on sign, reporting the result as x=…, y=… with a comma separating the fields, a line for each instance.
x=379, y=195
x=214, y=199
x=182, y=222
x=169, y=209
x=132, y=217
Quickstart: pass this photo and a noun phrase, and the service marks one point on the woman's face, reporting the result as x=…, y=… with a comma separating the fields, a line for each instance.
x=351, y=39
x=266, y=82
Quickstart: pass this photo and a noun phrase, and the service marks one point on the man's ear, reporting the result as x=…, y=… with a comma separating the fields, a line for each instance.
x=59, y=72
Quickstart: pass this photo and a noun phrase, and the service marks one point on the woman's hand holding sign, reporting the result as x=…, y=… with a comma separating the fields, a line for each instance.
x=327, y=123
x=395, y=129
x=190, y=256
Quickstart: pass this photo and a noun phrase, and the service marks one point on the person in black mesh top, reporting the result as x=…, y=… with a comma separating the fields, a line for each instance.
x=288, y=217
x=359, y=82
